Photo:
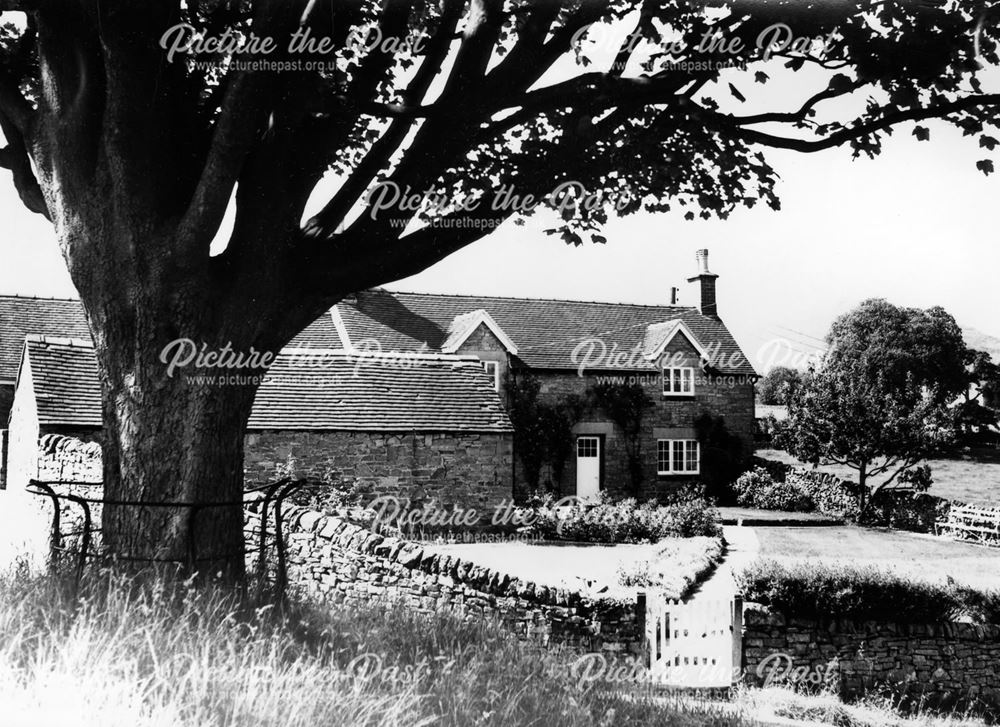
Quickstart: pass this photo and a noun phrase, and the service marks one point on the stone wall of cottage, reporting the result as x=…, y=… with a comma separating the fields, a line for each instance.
x=467, y=470
x=460, y=469
x=728, y=397
x=947, y=664
x=336, y=560
x=72, y=457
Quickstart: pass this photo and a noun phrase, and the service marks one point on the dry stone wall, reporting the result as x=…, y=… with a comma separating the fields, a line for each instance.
x=334, y=559
x=946, y=664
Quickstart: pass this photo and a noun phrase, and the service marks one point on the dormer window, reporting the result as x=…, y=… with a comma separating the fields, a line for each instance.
x=493, y=369
x=678, y=381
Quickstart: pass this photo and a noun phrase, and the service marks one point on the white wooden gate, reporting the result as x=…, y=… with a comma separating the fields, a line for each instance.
x=696, y=644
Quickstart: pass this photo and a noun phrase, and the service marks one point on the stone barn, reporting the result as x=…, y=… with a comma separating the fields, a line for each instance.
x=428, y=427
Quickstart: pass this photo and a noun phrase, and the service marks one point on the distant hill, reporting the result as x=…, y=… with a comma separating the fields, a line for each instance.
x=982, y=342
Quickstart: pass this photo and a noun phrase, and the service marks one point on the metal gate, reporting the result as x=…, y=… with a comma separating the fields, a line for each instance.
x=696, y=644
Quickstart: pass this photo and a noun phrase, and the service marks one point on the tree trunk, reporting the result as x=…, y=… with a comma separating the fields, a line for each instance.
x=862, y=490
x=176, y=443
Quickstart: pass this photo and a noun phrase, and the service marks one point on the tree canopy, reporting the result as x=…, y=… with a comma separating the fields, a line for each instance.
x=880, y=401
x=637, y=105
x=901, y=348
x=778, y=385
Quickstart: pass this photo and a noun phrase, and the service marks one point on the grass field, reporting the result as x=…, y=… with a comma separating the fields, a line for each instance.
x=962, y=480
x=925, y=557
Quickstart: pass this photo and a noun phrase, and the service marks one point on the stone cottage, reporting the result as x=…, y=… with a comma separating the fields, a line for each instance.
x=699, y=381
x=428, y=427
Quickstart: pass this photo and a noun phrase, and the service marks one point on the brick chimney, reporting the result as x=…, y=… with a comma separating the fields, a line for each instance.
x=707, y=280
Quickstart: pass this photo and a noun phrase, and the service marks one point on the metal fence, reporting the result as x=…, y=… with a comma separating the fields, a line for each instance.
x=269, y=498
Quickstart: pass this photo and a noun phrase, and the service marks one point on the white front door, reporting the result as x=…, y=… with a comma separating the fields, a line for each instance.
x=588, y=467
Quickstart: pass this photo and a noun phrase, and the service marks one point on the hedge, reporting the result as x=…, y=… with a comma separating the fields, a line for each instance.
x=814, y=591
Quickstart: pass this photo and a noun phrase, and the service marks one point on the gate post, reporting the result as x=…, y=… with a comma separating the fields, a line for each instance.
x=640, y=619
x=737, y=637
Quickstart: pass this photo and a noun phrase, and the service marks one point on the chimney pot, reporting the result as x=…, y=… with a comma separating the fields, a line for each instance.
x=706, y=281
x=702, y=257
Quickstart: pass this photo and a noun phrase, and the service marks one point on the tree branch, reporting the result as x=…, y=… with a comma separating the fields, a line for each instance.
x=15, y=157
x=482, y=30
x=15, y=106
x=803, y=112
x=382, y=150
x=733, y=124
x=243, y=110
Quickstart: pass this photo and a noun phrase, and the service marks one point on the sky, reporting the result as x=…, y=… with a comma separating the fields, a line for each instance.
x=914, y=226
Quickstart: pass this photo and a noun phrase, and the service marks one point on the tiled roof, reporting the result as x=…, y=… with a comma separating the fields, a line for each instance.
x=42, y=316
x=321, y=333
x=64, y=318
x=546, y=331
x=64, y=375
x=319, y=391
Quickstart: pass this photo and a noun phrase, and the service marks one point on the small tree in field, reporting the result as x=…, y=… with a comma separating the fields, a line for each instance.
x=879, y=402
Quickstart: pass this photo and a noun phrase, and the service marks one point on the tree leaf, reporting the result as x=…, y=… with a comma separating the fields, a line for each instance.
x=761, y=77
x=840, y=83
x=735, y=91
x=922, y=133
x=985, y=166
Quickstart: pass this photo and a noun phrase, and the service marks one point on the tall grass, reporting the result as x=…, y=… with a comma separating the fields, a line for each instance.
x=781, y=703
x=147, y=651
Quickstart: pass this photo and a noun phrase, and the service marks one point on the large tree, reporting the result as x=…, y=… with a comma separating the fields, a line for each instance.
x=135, y=154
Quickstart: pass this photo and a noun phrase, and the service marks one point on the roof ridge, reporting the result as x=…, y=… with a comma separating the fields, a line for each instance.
x=348, y=354
x=39, y=297
x=519, y=297
x=58, y=340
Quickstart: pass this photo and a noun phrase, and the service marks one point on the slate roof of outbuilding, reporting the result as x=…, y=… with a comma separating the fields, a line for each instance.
x=64, y=376
x=545, y=331
x=20, y=316
x=64, y=318
x=324, y=392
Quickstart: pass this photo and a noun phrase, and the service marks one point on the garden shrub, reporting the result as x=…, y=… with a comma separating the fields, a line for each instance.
x=626, y=521
x=816, y=591
x=332, y=494
x=830, y=494
x=906, y=510
x=758, y=489
x=980, y=606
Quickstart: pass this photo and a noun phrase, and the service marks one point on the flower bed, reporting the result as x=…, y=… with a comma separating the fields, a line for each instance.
x=626, y=521
x=678, y=565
